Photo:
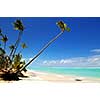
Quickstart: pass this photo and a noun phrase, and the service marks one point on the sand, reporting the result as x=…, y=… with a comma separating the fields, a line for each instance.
x=46, y=86
x=50, y=77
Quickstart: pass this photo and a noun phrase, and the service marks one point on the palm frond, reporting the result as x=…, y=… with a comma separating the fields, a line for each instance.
x=18, y=25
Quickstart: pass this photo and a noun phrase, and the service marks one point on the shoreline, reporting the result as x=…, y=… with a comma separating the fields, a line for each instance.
x=33, y=76
x=52, y=77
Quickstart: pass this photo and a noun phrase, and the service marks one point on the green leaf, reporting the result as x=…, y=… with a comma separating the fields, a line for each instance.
x=4, y=39
x=68, y=29
x=61, y=25
x=23, y=45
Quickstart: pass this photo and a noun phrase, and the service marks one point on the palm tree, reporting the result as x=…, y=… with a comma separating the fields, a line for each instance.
x=18, y=26
x=4, y=39
x=63, y=28
x=11, y=48
x=2, y=52
x=17, y=60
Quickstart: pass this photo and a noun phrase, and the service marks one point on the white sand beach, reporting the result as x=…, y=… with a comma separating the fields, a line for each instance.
x=51, y=77
x=45, y=86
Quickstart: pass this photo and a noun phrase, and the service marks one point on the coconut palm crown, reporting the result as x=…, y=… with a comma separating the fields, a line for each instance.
x=18, y=25
x=63, y=26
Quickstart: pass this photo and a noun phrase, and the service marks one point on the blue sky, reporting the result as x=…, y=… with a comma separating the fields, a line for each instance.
x=80, y=47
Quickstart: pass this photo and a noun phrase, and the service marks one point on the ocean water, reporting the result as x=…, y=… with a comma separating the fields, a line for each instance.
x=76, y=71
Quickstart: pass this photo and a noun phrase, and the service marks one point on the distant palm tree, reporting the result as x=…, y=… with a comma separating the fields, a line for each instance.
x=63, y=28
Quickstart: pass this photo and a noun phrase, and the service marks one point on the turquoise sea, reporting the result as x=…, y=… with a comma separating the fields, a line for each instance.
x=76, y=71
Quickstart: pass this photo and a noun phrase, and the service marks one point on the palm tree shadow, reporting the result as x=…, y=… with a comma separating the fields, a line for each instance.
x=10, y=77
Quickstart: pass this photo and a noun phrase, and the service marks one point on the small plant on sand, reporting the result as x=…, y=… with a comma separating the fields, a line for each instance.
x=11, y=65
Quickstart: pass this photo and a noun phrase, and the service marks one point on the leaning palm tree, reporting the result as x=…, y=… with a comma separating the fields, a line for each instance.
x=63, y=28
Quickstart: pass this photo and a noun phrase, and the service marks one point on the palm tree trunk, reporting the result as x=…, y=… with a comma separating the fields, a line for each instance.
x=13, y=51
x=17, y=43
x=52, y=40
x=5, y=46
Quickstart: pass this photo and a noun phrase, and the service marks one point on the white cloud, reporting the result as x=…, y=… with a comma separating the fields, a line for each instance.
x=92, y=61
x=63, y=61
x=96, y=50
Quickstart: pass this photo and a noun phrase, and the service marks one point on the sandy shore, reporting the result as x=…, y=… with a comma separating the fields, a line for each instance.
x=50, y=77
x=45, y=86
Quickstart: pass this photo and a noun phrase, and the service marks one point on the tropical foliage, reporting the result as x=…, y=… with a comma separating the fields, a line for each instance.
x=12, y=64
x=13, y=61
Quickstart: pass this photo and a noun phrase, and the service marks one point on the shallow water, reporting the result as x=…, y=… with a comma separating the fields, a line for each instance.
x=77, y=71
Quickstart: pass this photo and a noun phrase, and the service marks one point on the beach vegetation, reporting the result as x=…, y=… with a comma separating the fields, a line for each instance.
x=12, y=65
